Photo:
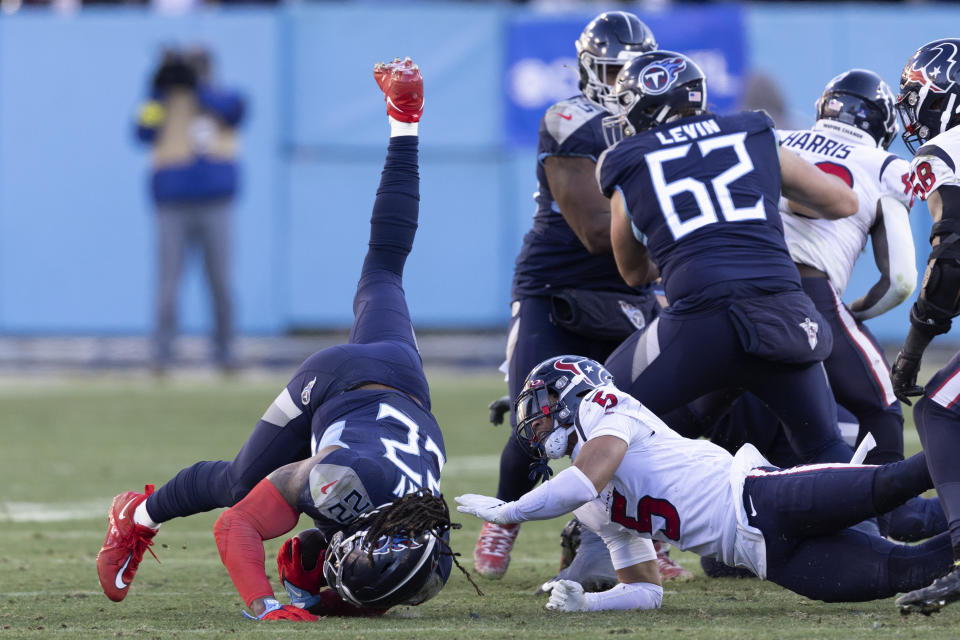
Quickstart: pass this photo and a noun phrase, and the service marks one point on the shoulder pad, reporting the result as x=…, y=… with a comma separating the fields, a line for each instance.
x=945, y=146
x=935, y=151
x=566, y=117
x=756, y=120
x=338, y=493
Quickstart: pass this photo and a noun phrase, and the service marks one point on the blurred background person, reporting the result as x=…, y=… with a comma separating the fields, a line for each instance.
x=191, y=127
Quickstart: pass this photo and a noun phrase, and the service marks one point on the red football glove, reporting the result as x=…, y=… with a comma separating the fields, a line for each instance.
x=297, y=551
x=276, y=611
x=289, y=612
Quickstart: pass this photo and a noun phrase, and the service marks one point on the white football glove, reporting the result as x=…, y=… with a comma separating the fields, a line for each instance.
x=484, y=507
x=565, y=595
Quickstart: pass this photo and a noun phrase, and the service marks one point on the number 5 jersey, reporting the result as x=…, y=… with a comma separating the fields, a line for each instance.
x=669, y=488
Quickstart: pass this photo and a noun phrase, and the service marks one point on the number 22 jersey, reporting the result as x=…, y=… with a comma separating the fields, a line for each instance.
x=702, y=194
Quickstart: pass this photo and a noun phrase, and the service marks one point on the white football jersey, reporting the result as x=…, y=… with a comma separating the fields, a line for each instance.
x=832, y=246
x=670, y=488
x=935, y=163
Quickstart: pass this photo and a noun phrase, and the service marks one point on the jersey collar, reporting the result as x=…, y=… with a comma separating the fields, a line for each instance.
x=849, y=132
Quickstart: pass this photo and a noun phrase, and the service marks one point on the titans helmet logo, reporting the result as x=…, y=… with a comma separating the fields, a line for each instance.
x=659, y=76
x=397, y=543
x=932, y=67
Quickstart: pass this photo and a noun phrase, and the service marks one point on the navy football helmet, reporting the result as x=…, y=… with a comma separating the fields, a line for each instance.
x=398, y=570
x=605, y=45
x=652, y=89
x=928, y=103
x=861, y=99
x=569, y=379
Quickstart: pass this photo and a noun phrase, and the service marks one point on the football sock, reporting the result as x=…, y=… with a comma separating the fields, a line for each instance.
x=915, y=566
x=398, y=128
x=142, y=516
x=897, y=482
x=393, y=224
x=200, y=487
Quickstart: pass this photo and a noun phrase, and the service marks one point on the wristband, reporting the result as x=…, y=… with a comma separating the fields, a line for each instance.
x=270, y=604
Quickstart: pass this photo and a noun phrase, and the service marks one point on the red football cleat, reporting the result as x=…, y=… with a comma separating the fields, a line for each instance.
x=124, y=545
x=491, y=556
x=670, y=569
x=402, y=88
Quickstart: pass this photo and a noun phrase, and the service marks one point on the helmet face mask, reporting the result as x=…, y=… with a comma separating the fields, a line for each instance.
x=653, y=89
x=553, y=391
x=861, y=99
x=929, y=99
x=399, y=570
x=610, y=40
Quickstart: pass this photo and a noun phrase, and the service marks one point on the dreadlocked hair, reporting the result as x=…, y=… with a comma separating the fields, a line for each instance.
x=412, y=515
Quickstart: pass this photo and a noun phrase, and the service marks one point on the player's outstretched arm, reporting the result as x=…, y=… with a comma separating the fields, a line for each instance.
x=570, y=489
x=812, y=192
x=267, y=512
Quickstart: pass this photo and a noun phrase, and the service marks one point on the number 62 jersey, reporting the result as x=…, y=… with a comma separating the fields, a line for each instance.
x=702, y=194
x=669, y=488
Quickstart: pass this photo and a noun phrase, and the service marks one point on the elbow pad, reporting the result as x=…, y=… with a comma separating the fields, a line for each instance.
x=938, y=301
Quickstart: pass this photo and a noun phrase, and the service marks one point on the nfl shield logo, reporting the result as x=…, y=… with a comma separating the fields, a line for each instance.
x=811, y=328
x=634, y=315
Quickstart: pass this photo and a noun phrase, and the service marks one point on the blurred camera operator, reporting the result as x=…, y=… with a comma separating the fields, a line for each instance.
x=191, y=125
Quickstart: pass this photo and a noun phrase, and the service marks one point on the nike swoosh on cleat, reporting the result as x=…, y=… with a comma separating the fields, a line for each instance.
x=123, y=512
x=394, y=104
x=326, y=487
x=566, y=116
x=118, y=581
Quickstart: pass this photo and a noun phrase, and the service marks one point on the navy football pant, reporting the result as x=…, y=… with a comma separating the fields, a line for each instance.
x=805, y=514
x=859, y=374
x=382, y=348
x=749, y=420
x=537, y=339
x=939, y=429
x=681, y=357
x=859, y=378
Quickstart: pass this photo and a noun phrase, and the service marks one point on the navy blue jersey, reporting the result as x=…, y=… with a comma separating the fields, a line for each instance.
x=390, y=446
x=702, y=195
x=552, y=257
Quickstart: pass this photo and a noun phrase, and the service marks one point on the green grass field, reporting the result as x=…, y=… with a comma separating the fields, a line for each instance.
x=70, y=445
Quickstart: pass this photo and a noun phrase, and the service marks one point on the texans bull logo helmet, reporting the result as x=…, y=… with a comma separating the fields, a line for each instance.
x=929, y=99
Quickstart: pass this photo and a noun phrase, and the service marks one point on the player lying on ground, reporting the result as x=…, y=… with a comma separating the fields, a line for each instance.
x=356, y=416
x=634, y=479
